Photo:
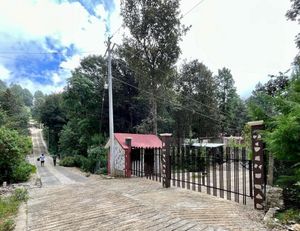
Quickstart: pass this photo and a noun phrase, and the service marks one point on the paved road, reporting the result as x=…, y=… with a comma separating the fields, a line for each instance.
x=68, y=200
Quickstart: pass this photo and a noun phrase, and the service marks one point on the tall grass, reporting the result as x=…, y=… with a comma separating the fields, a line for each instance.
x=9, y=208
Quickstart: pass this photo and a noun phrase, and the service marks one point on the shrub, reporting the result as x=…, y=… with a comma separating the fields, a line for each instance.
x=289, y=215
x=95, y=162
x=13, y=149
x=9, y=207
x=7, y=225
x=22, y=171
x=68, y=161
x=20, y=194
x=72, y=161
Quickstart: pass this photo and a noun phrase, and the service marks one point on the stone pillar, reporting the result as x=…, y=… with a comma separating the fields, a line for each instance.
x=258, y=164
x=166, y=159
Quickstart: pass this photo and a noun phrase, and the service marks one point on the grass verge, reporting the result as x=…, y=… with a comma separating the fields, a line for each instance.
x=288, y=216
x=9, y=208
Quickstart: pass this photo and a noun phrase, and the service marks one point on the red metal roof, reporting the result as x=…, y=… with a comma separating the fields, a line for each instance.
x=139, y=140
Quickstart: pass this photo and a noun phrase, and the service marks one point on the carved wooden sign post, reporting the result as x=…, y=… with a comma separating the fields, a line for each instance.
x=165, y=159
x=258, y=163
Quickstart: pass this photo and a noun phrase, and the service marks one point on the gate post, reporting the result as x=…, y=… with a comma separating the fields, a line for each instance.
x=258, y=164
x=166, y=159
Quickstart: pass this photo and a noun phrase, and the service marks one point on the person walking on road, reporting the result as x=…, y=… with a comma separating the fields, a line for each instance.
x=54, y=160
x=42, y=159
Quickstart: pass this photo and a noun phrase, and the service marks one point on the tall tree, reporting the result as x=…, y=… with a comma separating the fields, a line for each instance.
x=38, y=101
x=152, y=48
x=196, y=87
x=27, y=97
x=53, y=116
x=231, y=107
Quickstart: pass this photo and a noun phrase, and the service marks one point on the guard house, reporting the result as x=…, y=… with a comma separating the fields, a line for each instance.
x=132, y=150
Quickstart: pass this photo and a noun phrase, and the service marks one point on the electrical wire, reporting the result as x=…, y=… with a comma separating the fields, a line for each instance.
x=187, y=97
x=163, y=99
x=190, y=10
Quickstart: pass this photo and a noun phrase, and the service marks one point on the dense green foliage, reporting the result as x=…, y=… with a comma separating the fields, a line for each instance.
x=285, y=217
x=13, y=150
x=9, y=207
x=283, y=141
x=95, y=162
x=14, y=141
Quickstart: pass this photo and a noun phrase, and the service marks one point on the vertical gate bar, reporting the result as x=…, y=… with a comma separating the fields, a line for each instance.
x=173, y=165
x=159, y=164
x=250, y=179
x=188, y=180
x=228, y=173
x=154, y=165
x=183, y=166
x=244, y=174
x=208, y=186
x=152, y=169
x=236, y=172
x=143, y=163
x=204, y=167
x=139, y=163
x=178, y=166
x=194, y=168
x=199, y=169
x=221, y=169
x=214, y=167
x=133, y=167
x=136, y=166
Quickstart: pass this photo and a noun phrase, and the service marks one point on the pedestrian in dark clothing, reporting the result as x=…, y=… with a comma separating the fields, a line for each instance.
x=54, y=160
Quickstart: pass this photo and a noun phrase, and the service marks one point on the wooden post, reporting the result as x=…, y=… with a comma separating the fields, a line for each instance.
x=258, y=164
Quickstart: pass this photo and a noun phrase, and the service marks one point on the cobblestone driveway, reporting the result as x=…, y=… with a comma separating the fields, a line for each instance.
x=70, y=201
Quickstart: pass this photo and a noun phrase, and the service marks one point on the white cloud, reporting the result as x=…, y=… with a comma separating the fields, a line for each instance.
x=34, y=86
x=56, y=79
x=70, y=23
x=71, y=63
x=252, y=38
x=4, y=73
x=67, y=23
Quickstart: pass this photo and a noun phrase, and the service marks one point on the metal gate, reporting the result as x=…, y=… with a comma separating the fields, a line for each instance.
x=225, y=173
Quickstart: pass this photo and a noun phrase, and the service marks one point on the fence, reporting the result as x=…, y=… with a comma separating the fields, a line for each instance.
x=223, y=173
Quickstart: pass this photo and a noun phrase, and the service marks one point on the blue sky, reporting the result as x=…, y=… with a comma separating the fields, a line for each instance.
x=41, y=41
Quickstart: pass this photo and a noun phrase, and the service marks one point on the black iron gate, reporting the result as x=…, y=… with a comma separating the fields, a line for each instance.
x=224, y=173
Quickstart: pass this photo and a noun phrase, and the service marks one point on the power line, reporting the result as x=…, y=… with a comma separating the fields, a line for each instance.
x=117, y=30
x=164, y=100
x=189, y=11
x=168, y=102
x=187, y=97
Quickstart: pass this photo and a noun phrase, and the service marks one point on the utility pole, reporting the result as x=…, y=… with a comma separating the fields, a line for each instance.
x=111, y=115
